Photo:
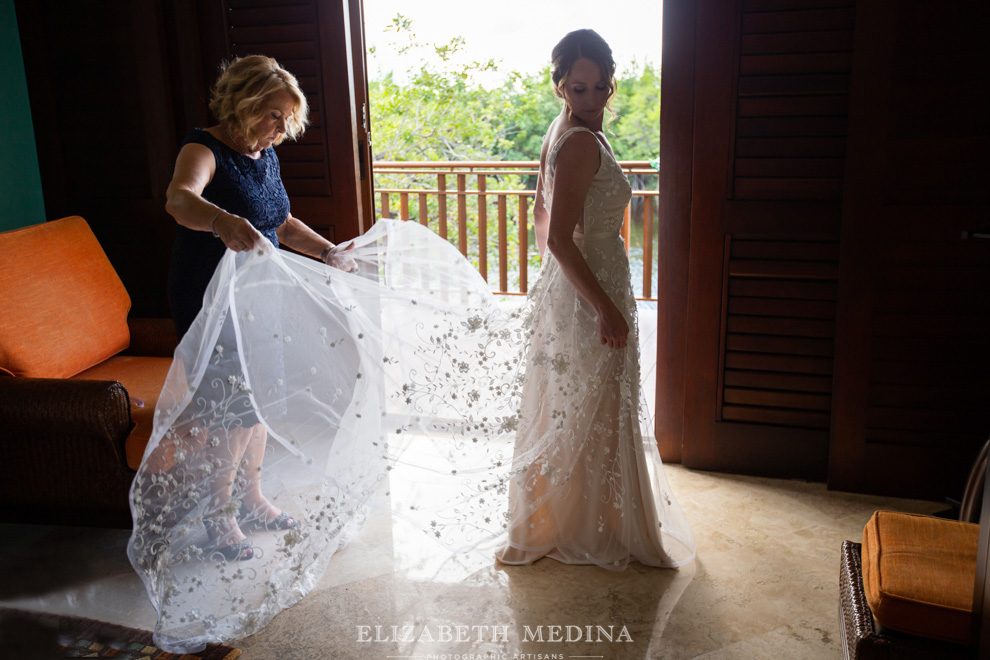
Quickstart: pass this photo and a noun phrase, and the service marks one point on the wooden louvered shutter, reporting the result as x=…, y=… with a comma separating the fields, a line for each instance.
x=770, y=113
x=290, y=34
x=778, y=329
x=837, y=293
x=320, y=43
x=912, y=353
x=792, y=99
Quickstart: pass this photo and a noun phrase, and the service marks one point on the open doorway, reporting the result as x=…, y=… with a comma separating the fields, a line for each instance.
x=443, y=91
x=458, y=111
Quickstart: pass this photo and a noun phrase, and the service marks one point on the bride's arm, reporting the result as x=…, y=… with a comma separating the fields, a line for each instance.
x=541, y=221
x=577, y=161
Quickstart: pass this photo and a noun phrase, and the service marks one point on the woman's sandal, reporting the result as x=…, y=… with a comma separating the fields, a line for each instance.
x=236, y=551
x=240, y=551
x=281, y=522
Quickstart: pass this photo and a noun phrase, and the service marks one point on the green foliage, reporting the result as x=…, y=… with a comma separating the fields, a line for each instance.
x=438, y=112
x=637, y=128
x=437, y=109
x=530, y=106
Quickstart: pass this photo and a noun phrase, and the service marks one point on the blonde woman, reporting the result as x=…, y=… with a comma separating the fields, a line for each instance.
x=226, y=190
x=227, y=193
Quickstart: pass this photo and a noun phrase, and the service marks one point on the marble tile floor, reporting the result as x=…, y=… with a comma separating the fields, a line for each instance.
x=764, y=585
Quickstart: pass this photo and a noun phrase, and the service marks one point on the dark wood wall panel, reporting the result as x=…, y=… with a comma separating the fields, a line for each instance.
x=123, y=169
x=795, y=62
x=939, y=77
x=108, y=142
x=912, y=357
x=117, y=84
x=933, y=296
x=930, y=370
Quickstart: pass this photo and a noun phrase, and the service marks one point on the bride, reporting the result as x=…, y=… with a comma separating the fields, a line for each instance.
x=587, y=489
x=512, y=429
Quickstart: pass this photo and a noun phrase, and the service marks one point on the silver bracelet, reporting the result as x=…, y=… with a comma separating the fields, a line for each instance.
x=213, y=223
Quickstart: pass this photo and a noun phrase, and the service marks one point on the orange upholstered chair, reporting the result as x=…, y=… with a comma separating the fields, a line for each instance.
x=76, y=401
x=916, y=588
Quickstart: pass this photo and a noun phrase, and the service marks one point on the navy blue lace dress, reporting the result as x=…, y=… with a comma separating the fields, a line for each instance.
x=243, y=186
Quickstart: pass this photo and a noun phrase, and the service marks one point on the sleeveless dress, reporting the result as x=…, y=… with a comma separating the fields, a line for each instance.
x=596, y=492
x=251, y=188
x=491, y=426
x=248, y=187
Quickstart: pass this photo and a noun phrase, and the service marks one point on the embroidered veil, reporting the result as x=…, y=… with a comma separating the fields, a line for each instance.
x=403, y=380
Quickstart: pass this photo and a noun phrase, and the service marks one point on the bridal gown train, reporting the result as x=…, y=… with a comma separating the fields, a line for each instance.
x=490, y=426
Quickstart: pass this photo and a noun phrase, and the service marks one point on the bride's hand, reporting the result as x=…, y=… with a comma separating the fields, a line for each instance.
x=339, y=258
x=612, y=327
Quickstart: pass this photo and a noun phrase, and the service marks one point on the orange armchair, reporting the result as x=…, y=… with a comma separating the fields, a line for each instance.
x=79, y=381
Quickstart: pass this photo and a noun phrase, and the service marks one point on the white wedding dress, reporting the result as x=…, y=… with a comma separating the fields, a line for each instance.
x=589, y=488
x=487, y=425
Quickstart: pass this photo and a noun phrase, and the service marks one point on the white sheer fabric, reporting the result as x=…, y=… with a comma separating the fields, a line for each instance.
x=491, y=424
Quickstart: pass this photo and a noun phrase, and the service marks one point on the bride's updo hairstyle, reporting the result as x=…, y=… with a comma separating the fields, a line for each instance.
x=240, y=97
x=574, y=46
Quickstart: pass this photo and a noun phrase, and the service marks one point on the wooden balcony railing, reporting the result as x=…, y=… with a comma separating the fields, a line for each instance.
x=490, y=222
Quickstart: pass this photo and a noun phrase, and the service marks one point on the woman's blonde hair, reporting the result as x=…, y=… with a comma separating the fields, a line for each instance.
x=241, y=92
x=587, y=44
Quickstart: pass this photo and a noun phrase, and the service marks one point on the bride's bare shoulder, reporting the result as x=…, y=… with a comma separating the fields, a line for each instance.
x=559, y=128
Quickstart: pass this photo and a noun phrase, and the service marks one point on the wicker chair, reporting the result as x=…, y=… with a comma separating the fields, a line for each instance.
x=864, y=638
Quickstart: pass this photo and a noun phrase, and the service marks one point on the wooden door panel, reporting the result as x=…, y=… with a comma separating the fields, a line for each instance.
x=912, y=361
x=772, y=95
x=786, y=451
